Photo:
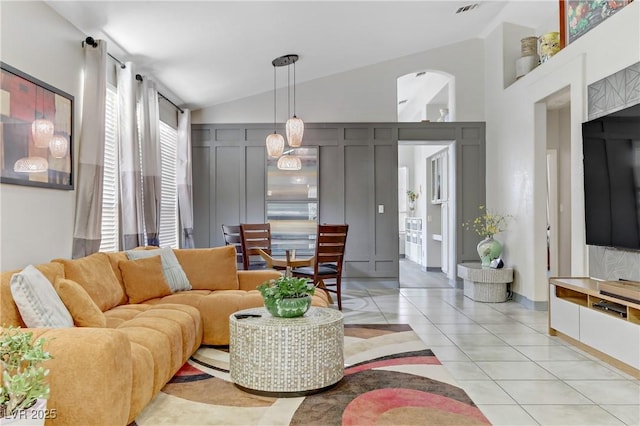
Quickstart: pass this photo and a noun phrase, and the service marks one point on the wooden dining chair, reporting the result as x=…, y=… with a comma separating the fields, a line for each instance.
x=329, y=257
x=232, y=237
x=254, y=236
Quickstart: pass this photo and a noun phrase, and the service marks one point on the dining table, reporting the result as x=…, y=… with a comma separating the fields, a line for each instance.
x=288, y=261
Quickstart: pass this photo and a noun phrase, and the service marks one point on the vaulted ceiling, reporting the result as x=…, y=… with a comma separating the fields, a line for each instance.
x=207, y=52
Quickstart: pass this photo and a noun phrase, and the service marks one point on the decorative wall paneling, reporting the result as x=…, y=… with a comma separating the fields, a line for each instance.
x=358, y=165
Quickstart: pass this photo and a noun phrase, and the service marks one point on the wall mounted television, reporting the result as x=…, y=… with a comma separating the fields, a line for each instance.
x=611, y=155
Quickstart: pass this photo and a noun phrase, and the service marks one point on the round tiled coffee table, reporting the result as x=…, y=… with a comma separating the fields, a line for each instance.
x=286, y=356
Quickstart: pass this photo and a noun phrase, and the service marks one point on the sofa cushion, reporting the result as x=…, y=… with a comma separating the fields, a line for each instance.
x=8, y=310
x=114, y=258
x=173, y=272
x=143, y=279
x=83, y=309
x=95, y=275
x=37, y=300
x=211, y=268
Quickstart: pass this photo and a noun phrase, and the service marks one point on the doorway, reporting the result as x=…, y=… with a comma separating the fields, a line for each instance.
x=558, y=171
x=426, y=227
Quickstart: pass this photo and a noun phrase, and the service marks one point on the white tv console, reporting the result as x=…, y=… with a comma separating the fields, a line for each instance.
x=605, y=326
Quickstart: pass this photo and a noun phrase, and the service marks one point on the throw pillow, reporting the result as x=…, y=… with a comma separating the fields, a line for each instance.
x=171, y=268
x=211, y=268
x=143, y=279
x=10, y=314
x=95, y=275
x=37, y=300
x=83, y=309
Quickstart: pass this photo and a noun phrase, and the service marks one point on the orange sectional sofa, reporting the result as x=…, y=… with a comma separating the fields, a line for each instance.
x=131, y=332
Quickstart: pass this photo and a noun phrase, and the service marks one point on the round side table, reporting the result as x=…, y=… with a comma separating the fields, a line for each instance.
x=286, y=356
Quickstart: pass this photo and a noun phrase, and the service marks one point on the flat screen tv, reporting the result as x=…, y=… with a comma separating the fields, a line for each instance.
x=611, y=155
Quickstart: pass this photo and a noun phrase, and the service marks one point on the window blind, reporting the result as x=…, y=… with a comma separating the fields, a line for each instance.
x=110, y=224
x=168, y=233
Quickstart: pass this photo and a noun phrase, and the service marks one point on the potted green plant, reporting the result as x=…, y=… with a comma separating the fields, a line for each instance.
x=24, y=391
x=287, y=297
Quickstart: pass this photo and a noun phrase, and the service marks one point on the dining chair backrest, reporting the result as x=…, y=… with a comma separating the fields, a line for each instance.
x=330, y=244
x=331, y=241
x=232, y=237
x=254, y=236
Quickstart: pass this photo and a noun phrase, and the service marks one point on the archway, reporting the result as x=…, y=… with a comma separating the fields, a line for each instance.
x=426, y=96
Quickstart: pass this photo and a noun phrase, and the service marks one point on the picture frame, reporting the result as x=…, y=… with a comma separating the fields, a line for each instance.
x=36, y=132
x=579, y=17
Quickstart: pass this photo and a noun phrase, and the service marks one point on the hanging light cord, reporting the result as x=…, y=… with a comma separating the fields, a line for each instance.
x=274, y=99
x=289, y=91
x=294, y=89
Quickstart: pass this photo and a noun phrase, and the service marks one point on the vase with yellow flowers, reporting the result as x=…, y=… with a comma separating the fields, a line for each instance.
x=412, y=197
x=487, y=225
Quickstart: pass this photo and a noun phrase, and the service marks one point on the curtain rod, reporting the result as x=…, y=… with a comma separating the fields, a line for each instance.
x=139, y=78
x=92, y=42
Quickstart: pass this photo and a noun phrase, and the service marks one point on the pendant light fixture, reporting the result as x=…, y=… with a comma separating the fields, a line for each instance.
x=295, y=125
x=289, y=162
x=58, y=146
x=275, y=141
x=41, y=128
x=31, y=165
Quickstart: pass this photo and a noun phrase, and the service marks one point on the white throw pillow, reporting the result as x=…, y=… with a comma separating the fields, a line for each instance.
x=171, y=268
x=37, y=300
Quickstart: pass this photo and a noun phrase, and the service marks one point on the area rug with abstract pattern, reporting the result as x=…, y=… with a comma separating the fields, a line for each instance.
x=390, y=378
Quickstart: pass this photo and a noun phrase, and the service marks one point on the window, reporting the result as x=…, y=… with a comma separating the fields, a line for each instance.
x=168, y=232
x=292, y=204
x=168, y=226
x=110, y=181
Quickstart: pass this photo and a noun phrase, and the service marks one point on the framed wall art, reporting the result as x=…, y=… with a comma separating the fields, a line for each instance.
x=578, y=17
x=36, y=132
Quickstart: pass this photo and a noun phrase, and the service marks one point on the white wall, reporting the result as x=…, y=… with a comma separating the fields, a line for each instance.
x=36, y=224
x=366, y=94
x=516, y=140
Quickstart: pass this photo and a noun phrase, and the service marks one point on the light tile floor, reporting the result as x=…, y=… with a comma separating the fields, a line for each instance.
x=500, y=353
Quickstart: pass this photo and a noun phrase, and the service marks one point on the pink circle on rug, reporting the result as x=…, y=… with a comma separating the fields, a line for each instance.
x=368, y=407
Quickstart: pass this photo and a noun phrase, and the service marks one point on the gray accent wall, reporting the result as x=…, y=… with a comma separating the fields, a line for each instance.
x=613, y=93
x=358, y=171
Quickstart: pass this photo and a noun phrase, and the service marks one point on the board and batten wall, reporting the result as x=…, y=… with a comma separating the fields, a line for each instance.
x=357, y=171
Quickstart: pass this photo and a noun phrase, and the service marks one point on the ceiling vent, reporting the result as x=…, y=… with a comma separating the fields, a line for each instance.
x=420, y=74
x=467, y=8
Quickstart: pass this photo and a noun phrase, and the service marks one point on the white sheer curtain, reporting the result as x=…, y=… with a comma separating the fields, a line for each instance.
x=88, y=219
x=132, y=223
x=149, y=128
x=185, y=186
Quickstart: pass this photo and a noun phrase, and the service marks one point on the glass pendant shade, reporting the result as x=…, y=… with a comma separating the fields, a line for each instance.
x=295, y=130
x=289, y=162
x=31, y=165
x=58, y=146
x=42, y=131
x=275, y=145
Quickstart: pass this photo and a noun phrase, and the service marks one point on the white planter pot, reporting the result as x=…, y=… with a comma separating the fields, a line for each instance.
x=32, y=416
